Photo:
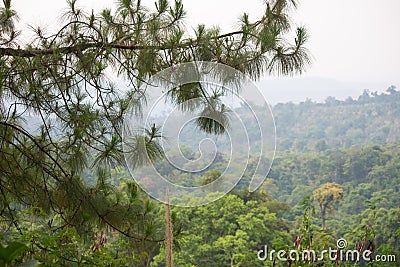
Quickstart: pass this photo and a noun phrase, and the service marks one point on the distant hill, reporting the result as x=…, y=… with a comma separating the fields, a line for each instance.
x=371, y=118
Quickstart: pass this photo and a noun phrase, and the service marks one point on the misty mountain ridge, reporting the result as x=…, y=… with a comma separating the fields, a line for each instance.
x=298, y=89
x=370, y=118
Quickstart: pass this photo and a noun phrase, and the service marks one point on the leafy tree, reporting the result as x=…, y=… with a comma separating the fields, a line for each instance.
x=321, y=146
x=326, y=196
x=306, y=231
x=9, y=253
x=211, y=176
x=227, y=232
x=391, y=90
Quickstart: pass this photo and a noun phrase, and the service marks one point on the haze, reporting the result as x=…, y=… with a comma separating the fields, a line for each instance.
x=354, y=43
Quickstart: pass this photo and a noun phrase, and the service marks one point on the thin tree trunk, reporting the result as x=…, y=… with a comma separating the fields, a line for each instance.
x=323, y=215
x=168, y=233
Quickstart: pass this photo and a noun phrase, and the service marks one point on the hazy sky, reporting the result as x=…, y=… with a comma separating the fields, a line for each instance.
x=350, y=40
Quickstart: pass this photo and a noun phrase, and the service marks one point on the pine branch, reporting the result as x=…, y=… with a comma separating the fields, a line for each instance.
x=29, y=136
x=82, y=47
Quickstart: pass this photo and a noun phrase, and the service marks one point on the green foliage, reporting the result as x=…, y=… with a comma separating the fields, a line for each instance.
x=338, y=124
x=65, y=197
x=326, y=196
x=11, y=252
x=61, y=118
x=229, y=231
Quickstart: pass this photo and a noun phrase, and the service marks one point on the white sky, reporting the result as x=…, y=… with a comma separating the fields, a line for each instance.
x=351, y=40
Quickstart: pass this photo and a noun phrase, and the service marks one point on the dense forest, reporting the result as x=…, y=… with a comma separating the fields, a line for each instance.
x=67, y=193
x=371, y=119
x=364, y=168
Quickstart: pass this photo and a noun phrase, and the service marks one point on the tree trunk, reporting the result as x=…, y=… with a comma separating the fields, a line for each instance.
x=323, y=216
x=168, y=233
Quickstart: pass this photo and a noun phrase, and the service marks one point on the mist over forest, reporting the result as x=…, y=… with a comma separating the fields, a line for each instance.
x=227, y=171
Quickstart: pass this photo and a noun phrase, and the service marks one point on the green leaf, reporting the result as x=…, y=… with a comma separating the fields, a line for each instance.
x=12, y=251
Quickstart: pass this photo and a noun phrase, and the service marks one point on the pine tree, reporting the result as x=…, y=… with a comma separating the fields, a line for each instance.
x=61, y=80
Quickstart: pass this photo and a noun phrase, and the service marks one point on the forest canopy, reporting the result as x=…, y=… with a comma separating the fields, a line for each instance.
x=67, y=198
x=61, y=80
